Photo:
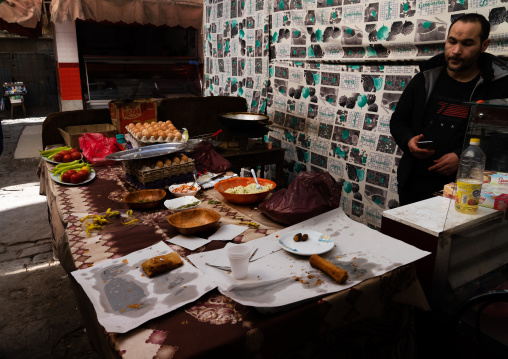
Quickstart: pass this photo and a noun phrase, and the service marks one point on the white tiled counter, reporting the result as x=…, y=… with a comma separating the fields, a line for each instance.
x=463, y=246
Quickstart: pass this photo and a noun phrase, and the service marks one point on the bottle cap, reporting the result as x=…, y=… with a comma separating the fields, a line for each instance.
x=474, y=141
x=120, y=138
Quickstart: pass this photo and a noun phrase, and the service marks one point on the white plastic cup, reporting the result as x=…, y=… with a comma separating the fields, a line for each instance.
x=239, y=260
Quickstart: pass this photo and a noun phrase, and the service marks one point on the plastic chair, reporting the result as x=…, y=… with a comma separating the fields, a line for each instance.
x=15, y=104
x=479, y=303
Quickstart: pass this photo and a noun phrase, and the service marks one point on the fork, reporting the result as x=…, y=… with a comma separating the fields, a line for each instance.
x=227, y=268
x=258, y=186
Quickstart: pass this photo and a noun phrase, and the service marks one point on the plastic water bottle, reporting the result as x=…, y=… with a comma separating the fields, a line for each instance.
x=470, y=178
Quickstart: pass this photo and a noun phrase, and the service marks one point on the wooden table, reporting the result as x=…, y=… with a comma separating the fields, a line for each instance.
x=377, y=310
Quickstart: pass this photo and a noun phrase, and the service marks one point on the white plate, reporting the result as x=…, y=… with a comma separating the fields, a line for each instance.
x=316, y=244
x=173, y=204
x=56, y=178
x=55, y=162
x=50, y=161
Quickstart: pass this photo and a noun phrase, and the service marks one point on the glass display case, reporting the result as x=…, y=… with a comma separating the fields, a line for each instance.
x=111, y=78
x=477, y=256
x=468, y=253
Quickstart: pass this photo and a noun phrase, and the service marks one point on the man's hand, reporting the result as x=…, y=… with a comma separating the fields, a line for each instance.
x=446, y=165
x=416, y=151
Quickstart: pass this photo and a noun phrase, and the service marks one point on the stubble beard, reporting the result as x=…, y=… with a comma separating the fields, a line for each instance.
x=461, y=66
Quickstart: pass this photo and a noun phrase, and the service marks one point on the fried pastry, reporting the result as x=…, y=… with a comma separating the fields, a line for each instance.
x=162, y=264
x=338, y=274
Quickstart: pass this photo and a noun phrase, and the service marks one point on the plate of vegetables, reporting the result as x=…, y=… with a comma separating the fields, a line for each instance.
x=74, y=173
x=110, y=221
x=62, y=154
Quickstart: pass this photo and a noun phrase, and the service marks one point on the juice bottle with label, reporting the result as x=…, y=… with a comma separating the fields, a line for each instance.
x=470, y=178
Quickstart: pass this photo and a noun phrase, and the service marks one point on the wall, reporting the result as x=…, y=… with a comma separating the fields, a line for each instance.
x=329, y=74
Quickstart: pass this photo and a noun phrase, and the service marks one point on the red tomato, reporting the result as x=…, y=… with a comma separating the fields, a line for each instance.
x=76, y=155
x=66, y=177
x=84, y=174
x=58, y=157
x=64, y=152
x=480, y=101
x=75, y=178
x=73, y=150
x=71, y=172
x=67, y=158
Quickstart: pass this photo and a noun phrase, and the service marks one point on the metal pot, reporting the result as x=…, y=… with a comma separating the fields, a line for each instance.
x=243, y=120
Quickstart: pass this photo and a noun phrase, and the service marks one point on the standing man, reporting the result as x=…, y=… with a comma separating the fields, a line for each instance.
x=431, y=107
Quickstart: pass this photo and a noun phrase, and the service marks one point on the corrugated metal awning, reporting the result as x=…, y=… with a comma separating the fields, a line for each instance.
x=184, y=13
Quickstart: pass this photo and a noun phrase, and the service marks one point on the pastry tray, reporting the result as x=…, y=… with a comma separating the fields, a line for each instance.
x=146, y=152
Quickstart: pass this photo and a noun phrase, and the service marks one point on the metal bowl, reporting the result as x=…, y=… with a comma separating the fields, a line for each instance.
x=243, y=120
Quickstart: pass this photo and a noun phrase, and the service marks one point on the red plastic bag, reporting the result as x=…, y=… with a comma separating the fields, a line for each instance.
x=207, y=159
x=96, y=147
x=310, y=194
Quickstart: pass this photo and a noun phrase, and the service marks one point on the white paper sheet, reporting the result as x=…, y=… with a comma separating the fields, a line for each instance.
x=227, y=232
x=189, y=242
x=282, y=278
x=125, y=297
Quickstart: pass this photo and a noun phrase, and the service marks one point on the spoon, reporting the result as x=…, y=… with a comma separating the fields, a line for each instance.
x=195, y=180
x=258, y=187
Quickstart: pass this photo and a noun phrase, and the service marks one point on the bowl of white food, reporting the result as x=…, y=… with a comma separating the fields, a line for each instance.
x=182, y=203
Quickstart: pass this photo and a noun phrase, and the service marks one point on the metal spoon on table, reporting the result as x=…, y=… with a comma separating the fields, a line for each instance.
x=195, y=181
x=258, y=186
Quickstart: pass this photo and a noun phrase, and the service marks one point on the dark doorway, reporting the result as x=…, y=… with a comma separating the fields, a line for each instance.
x=31, y=61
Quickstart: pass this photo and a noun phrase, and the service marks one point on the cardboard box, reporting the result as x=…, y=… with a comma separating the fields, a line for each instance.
x=71, y=134
x=501, y=202
x=124, y=112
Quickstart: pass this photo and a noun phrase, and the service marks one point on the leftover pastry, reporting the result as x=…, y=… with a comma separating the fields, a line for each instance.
x=162, y=264
x=338, y=274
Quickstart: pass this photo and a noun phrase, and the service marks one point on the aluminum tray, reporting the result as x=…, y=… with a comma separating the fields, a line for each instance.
x=146, y=152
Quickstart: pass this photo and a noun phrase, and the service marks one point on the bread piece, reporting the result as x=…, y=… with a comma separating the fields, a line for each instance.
x=161, y=264
x=338, y=274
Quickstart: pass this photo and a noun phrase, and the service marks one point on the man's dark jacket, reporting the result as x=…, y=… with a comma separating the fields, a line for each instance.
x=408, y=119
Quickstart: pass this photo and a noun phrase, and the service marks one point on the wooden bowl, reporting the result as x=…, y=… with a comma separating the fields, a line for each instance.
x=194, y=221
x=222, y=186
x=145, y=199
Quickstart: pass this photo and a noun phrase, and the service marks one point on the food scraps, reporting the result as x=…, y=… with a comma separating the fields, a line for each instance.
x=300, y=237
x=100, y=220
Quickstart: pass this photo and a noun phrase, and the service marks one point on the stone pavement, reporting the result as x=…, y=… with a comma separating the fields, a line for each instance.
x=38, y=310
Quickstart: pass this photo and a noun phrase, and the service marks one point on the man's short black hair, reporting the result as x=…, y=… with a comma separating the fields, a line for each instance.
x=472, y=17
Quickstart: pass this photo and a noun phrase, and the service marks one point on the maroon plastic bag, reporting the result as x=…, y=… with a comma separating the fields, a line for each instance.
x=207, y=159
x=310, y=194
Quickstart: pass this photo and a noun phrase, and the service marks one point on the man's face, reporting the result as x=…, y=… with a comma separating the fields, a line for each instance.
x=463, y=46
